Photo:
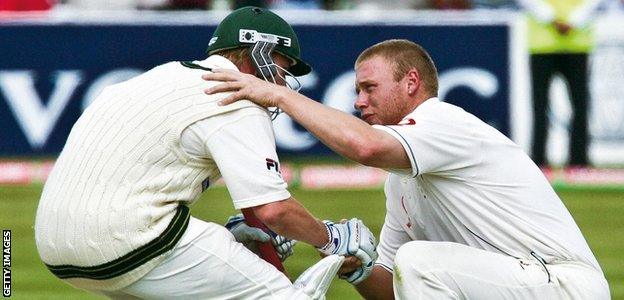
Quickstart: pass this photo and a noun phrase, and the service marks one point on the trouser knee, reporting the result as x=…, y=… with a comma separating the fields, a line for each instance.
x=419, y=256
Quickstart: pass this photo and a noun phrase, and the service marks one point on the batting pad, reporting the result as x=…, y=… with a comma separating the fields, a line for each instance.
x=315, y=281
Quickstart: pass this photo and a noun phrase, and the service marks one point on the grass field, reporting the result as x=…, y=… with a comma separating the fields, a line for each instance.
x=599, y=213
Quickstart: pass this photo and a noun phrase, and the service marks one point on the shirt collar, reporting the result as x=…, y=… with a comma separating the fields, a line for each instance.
x=217, y=61
x=409, y=119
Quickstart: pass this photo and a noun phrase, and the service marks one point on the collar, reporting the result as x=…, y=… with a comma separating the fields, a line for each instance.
x=409, y=119
x=429, y=102
x=216, y=61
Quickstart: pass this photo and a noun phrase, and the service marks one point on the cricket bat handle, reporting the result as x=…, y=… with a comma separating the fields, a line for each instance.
x=267, y=251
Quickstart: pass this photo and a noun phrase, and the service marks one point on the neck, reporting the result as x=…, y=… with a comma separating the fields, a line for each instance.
x=419, y=99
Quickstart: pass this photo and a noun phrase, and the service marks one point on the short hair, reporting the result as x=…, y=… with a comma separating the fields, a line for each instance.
x=236, y=55
x=405, y=55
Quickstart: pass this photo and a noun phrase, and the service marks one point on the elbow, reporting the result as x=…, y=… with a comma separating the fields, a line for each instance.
x=366, y=153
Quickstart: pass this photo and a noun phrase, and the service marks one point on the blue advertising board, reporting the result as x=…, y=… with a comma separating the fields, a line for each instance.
x=50, y=72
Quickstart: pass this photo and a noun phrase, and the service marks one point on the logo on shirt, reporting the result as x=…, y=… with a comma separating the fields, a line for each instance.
x=273, y=165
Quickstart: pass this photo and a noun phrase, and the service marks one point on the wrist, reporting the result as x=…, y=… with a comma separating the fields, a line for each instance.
x=328, y=246
x=282, y=101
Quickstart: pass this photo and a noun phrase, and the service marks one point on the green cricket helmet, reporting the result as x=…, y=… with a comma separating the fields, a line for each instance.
x=263, y=31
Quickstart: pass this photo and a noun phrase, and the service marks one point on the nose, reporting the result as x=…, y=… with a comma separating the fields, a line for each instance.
x=360, y=102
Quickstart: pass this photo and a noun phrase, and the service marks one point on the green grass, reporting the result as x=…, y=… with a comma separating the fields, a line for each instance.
x=599, y=213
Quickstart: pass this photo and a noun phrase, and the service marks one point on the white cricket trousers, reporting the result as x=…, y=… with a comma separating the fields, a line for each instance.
x=445, y=270
x=208, y=263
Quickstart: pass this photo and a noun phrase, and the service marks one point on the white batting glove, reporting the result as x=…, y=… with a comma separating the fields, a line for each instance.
x=243, y=233
x=283, y=245
x=352, y=238
x=248, y=236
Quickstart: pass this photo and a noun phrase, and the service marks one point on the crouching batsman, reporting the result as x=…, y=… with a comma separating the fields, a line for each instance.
x=469, y=215
x=114, y=214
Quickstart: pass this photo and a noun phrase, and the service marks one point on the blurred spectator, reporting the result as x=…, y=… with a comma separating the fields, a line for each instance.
x=390, y=4
x=188, y=4
x=26, y=5
x=308, y=4
x=140, y=4
x=242, y=3
x=450, y=4
x=493, y=4
x=296, y=4
x=102, y=4
x=560, y=39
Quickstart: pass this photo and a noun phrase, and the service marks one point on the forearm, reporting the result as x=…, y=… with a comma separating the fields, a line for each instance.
x=290, y=219
x=342, y=132
x=377, y=286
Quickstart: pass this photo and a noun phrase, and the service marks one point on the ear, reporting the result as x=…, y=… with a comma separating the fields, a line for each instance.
x=246, y=66
x=412, y=81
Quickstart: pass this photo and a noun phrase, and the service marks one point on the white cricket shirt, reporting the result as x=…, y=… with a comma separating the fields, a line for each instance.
x=471, y=185
x=242, y=144
x=117, y=198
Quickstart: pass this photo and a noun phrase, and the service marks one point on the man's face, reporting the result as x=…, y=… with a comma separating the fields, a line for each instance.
x=280, y=60
x=380, y=99
x=284, y=63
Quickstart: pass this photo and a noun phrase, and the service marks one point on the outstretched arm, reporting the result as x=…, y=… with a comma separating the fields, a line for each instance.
x=343, y=133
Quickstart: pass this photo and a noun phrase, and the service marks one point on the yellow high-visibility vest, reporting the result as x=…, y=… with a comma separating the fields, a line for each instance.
x=544, y=38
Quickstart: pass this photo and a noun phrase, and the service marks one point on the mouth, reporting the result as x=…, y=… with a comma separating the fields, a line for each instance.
x=366, y=116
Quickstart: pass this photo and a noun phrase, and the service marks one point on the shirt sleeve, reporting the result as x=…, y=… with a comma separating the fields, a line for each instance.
x=391, y=238
x=435, y=146
x=242, y=144
x=392, y=235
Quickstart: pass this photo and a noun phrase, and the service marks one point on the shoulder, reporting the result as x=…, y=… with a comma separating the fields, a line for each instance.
x=252, y=116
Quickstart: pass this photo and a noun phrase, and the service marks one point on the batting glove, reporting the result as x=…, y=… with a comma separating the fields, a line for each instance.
x=352, y=238
x=248, y=236
x=283, y=245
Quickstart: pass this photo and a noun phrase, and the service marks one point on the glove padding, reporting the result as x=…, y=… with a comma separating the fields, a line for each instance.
x=352, y=238
x=283, y=245
x=248, y=236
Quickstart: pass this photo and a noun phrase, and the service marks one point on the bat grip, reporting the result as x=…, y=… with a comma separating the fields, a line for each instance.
x=267, y=251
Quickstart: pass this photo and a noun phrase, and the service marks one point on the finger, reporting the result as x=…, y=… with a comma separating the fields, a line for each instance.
x=231, y=86
x=219, y=73
x=218, y=77
x=364, y=258
x=348, y=267
x=277, y=240
x=346, y=270
x=231, y=99
x=352, y=260
x=259, y=235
